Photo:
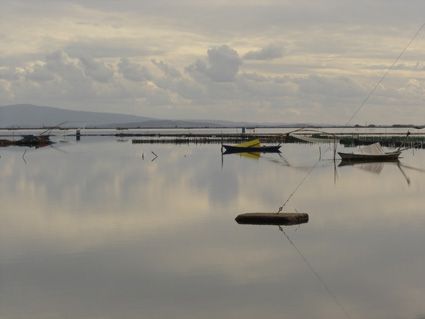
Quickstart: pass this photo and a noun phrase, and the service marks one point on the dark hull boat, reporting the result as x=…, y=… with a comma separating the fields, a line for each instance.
x=390, y=156
x=251, y=149
x=252, y=146
x=371, y=153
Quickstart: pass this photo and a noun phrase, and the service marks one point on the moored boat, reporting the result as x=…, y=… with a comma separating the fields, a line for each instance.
x=256, y=149
x=252, y=146
x=373, y=152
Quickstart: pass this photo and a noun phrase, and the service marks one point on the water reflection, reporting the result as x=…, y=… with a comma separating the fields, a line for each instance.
x=372, y=167
x=376, y=167
x=97, y=232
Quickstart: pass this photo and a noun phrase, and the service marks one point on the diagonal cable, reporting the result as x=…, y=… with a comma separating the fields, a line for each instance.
x=317, y=275
x=385, y=74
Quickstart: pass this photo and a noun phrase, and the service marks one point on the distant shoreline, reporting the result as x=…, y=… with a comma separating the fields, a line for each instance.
x=247, y=127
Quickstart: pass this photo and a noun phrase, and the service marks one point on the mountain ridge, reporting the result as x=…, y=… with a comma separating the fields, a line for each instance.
x=18, y=116
x=29, y=115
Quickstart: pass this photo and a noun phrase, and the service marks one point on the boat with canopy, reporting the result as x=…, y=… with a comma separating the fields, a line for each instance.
x=372, y=152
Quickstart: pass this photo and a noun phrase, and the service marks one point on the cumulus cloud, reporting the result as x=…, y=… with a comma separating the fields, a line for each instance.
x=214, y=85
x=268, y=53
x=55, y=77
x=98, y=71
x=39, y=73
x=8, y=73
x=64, y=67
x=133, y=71
x=154, y=95
x=98, y=47
x=167, y=69
x=222, y=64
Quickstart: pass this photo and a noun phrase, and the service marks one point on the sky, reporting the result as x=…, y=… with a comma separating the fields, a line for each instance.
x=251, y=60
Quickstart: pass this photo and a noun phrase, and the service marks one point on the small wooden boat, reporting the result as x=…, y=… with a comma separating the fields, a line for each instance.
x=370, y=153
x=252, y=146
x=272, y=218
x=388, y=156
x=260, y=149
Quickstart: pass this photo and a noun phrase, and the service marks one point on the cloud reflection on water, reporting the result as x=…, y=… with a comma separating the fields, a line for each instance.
x=98, y=232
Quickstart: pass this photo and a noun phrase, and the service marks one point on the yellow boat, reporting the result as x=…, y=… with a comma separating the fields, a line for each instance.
x=251, y=146
x=251, y=143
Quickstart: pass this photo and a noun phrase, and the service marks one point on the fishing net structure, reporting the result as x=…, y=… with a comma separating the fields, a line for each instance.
x=372, y=149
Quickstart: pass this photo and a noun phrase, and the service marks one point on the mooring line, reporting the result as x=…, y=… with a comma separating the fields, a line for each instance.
x=385, y=74
x=317, y=275
x=298, y=186
x=309, y=172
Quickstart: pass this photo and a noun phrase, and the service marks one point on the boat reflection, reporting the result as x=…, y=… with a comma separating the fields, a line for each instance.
x=376, y=167
x=259, y=155
x=251, y=155
x=369, y=166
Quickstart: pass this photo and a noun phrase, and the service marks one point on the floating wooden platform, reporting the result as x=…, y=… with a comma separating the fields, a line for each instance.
x=272, y=218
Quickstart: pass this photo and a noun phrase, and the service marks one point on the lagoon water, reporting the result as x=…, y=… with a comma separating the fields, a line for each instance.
x=101, y=229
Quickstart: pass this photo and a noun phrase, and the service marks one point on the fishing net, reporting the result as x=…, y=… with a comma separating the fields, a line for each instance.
x=373, y=149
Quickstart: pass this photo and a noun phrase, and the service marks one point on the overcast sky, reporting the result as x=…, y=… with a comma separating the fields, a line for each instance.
x=253, y=60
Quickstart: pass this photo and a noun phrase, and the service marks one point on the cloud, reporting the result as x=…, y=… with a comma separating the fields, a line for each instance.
x=133, y=71
x=167, y=69
x=414, y=67
x=268, y=53
x=148, y=57
x=40, y=73
x=222, y=64
x=110, y=47
x=98, y=71
x=56, y=77
x=5, y=92
x=65, y=67
x=8, y=73
x=339, y=86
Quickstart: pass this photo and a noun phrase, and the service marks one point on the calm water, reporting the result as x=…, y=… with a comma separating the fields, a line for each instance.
x=93, y=230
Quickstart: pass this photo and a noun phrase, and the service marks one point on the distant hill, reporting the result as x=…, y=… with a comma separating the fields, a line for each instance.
x=27, y=115
x=33, y=116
